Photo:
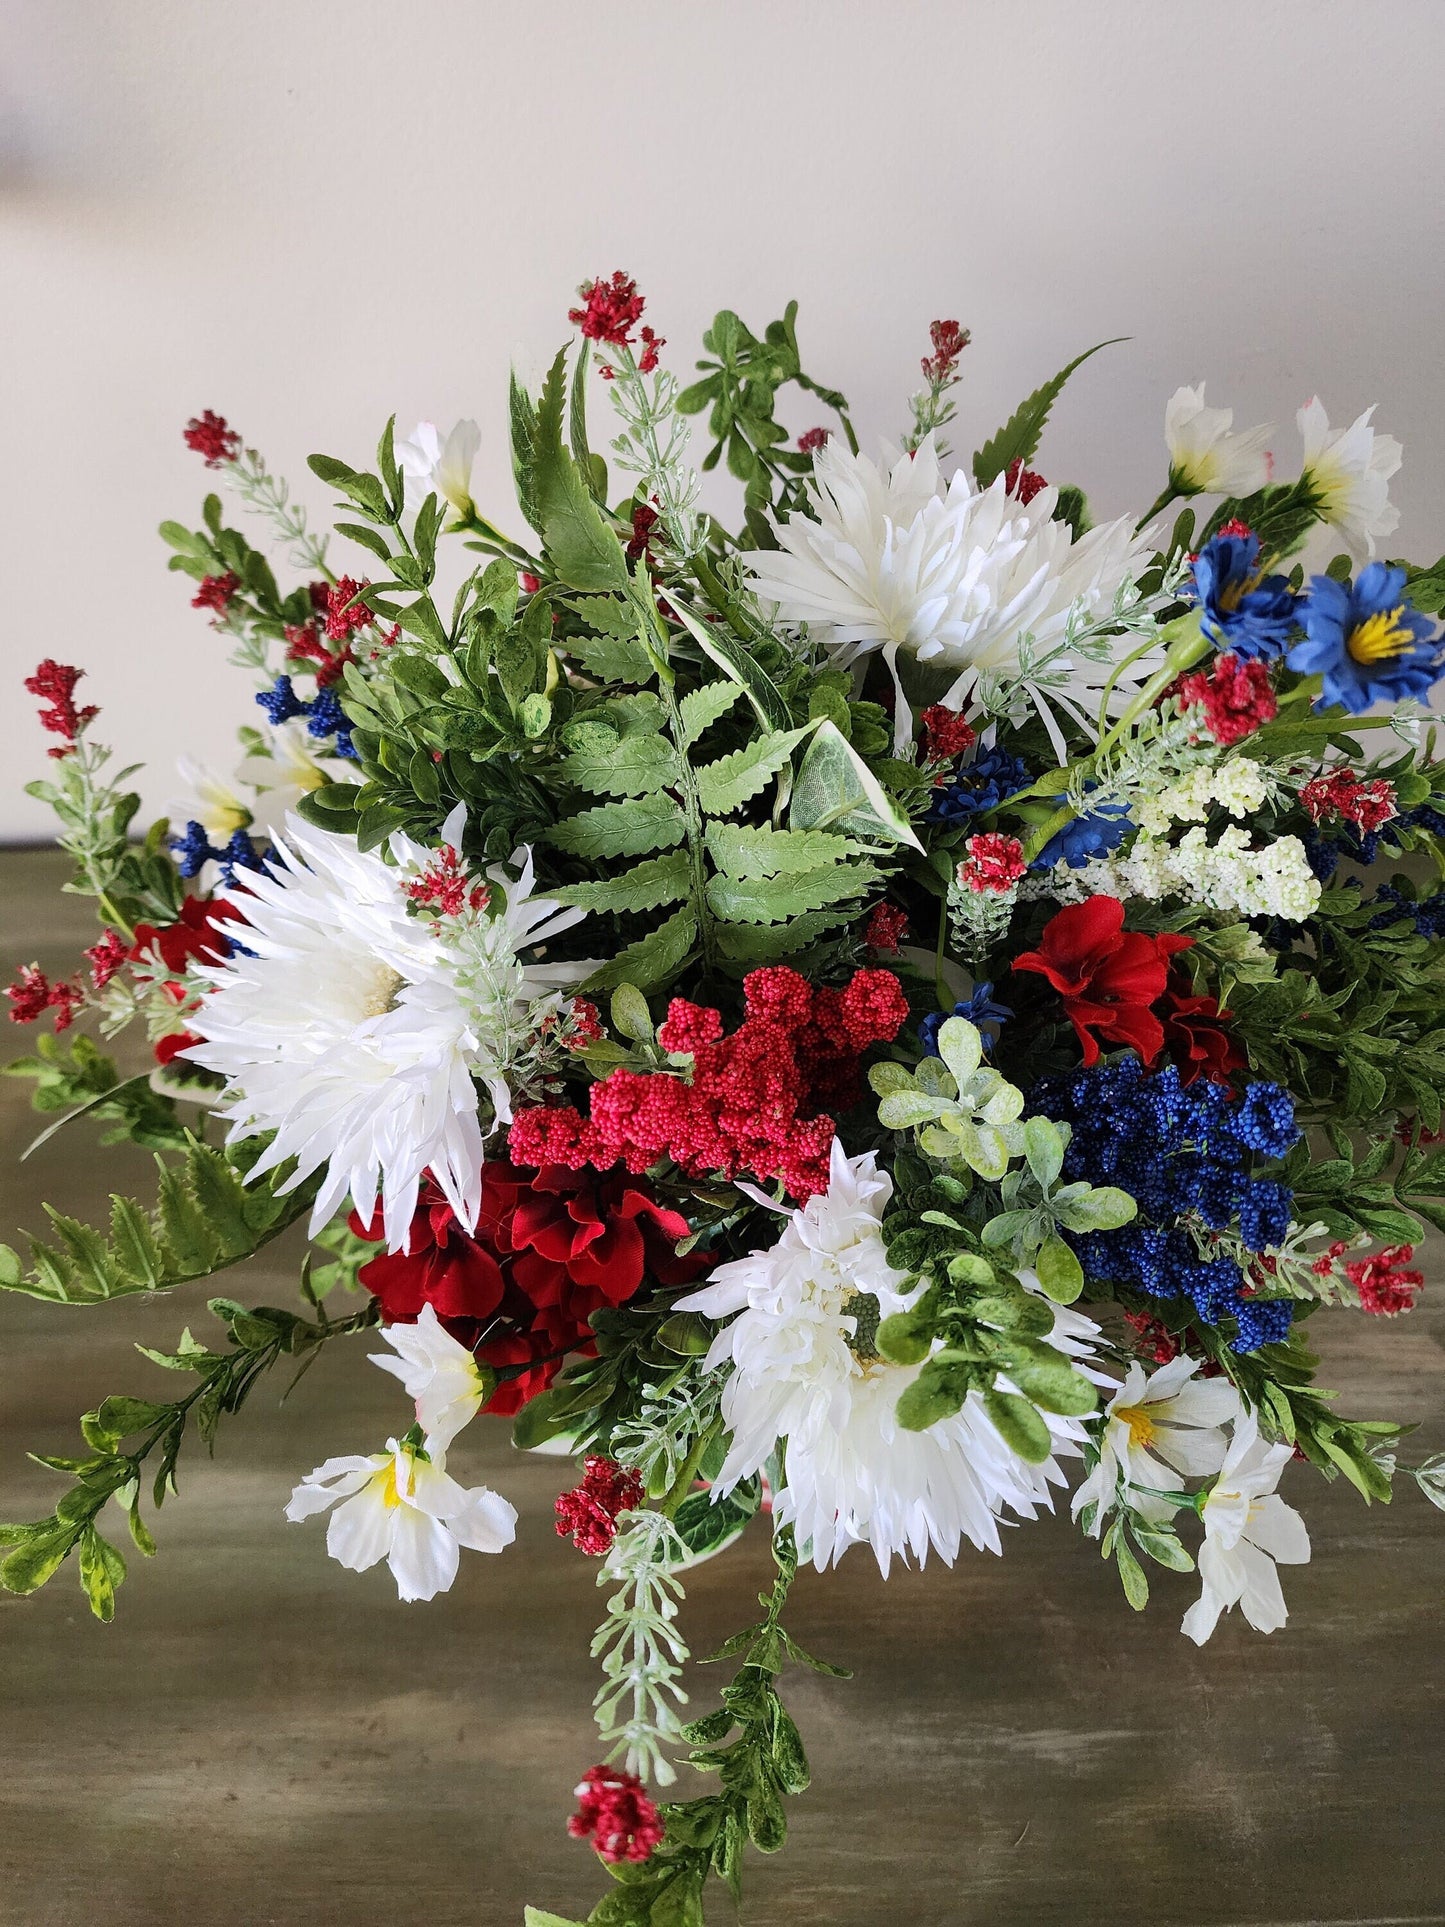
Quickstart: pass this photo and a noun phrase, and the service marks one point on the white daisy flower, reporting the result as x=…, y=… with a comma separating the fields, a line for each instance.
x=853, y=1473
x=1157, y=1425
x=1205, y=457
x=353, y=1030
x=1349, y=471
x=438, y=1372
x=442, y=466
x=401, y=1505
x=1247, y=1528
x=892, y=559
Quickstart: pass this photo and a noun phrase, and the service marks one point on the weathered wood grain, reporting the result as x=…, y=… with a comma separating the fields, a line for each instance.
x=263, y=1738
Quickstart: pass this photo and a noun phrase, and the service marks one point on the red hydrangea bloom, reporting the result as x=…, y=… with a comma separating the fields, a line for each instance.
x=54, y=683
x=615, y=1813
x=885, y=928
x=1197, y=1034
x=993, y=863
x=1022, y=483
x=195, y=936
x=1235, y=698
x=1385, y=1287
x=210, y=434
x=949, y=342
x=610, y=310
x=590, y=1511
x=752, y=1102
x=1108, y=977
x=946, y=735
x=1341, y=794
x=215, y=592
x=32, y=994
x=550, y=1248
x=812, y=439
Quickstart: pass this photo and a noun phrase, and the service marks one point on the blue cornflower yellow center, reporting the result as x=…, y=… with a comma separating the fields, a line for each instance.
x=1141, y=1426
x=1381, y=636
x=1233, y=593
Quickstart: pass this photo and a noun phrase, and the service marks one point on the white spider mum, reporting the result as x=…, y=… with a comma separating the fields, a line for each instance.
x=969, y=580
x=354, y=1031
x=853, y=1474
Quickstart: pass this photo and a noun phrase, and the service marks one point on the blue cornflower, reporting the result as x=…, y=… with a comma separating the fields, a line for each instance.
x=281, y=702
x=985, y=783
x=1097, y=833
x=1264, y=1120
x=979, y=1009
x=1241, y=610
x=1366, y=641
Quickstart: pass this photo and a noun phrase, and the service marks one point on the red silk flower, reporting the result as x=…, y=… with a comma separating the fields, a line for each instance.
x=1107, y=976
x=1197, y=1033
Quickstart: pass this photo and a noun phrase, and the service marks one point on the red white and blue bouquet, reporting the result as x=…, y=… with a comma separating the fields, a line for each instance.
x=860, y=1027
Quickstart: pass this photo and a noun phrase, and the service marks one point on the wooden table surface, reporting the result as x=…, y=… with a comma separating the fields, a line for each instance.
x=261, y=1737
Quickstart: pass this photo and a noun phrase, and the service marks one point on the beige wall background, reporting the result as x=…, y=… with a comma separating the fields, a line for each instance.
x=308, y=213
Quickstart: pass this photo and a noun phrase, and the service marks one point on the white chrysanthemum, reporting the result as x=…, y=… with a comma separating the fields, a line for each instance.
x=1205, y=456
x=353, y=1030
x=853, y=1474
x=890, y=558
x=1349, y=471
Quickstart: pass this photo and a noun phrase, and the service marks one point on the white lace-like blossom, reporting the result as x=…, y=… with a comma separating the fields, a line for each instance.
x=853, y=1474
x=442, y=466
x=891, y=558
x=1205, y=456
x=401, y=1505
x=1157, y=1425
x=1349, y=471
x=1239, y=786
x=438, y=1372
x=353, y=1030
x=1275, y=881
x=1247, y=1528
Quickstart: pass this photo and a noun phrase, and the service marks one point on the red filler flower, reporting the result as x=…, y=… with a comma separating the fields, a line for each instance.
x=615, y=1813
x=588, y=1514
x=1235, y=698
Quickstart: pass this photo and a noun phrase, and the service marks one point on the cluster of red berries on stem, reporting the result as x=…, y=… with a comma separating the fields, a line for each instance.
x=946, y=734
x=54, y=683
x=212, y=436
x=1234, y=699
x=949, y=341
x=1341, y=795
x=588, y=1514
x=754, y=1100
x=615, y=1813
x=611, y=309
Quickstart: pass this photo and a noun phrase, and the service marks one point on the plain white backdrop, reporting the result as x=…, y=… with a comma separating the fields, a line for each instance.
x=308, y=213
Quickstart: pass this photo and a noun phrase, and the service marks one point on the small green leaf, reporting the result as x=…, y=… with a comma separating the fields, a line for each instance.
x=630, y=1014
x=1018, y=439
x=1060, y=1273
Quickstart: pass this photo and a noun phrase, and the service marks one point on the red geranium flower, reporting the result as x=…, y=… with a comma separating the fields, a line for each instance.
x=548, y=1251
x=1197, y=1034
x=1107, y=976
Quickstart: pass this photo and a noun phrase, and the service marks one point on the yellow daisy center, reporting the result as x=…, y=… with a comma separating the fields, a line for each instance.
x=1380, y=636
x=1141, y=1426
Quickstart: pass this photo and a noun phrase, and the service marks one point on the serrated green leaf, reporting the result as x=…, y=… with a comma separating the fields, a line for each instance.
x=1018, y=439
x=636, y=765
x=579, y=540
x=744, y=943
x=701, y=708
x=657, y=957
x=747, y=851
x=779, y=899
x=733, y=780
x=621, y=829
x=724, y=650
x=648, y=885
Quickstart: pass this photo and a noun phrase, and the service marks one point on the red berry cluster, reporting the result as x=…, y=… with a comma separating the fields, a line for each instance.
x=445, y=886
x=32, y=994
x=610, y=310
x=588, y=1514
x=210, y=435
x=615, y=1813
x=949, y=342
x=215, y=592
x=1342, y=794
x=885, y=927
x=992, y=863
x=1235, y=698
x=1022, y=483
x=106, y=958
x=946, y=735
x=54, y=683
x=584, y=1025
x=1385, y=1287
x=752, y=1102
x=812, y=439
x=343, y=614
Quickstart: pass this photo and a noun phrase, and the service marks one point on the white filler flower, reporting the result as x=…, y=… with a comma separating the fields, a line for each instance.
x=803, y=1371
x=401, y=1505
x=1205, y=457
x=434, y=465
x=438, y=1372
x=353, y=1030
x=890, y=558
x=1348, y=471
x=1156, y=1426
x=1247, y=1527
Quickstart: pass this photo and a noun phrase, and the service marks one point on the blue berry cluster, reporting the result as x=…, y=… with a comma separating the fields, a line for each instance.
x=195, y=849
x=1179, y=1150
x=990, y=779
x=324, y=714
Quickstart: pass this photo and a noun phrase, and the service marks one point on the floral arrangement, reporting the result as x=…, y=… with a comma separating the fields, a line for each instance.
x=869, y=1023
